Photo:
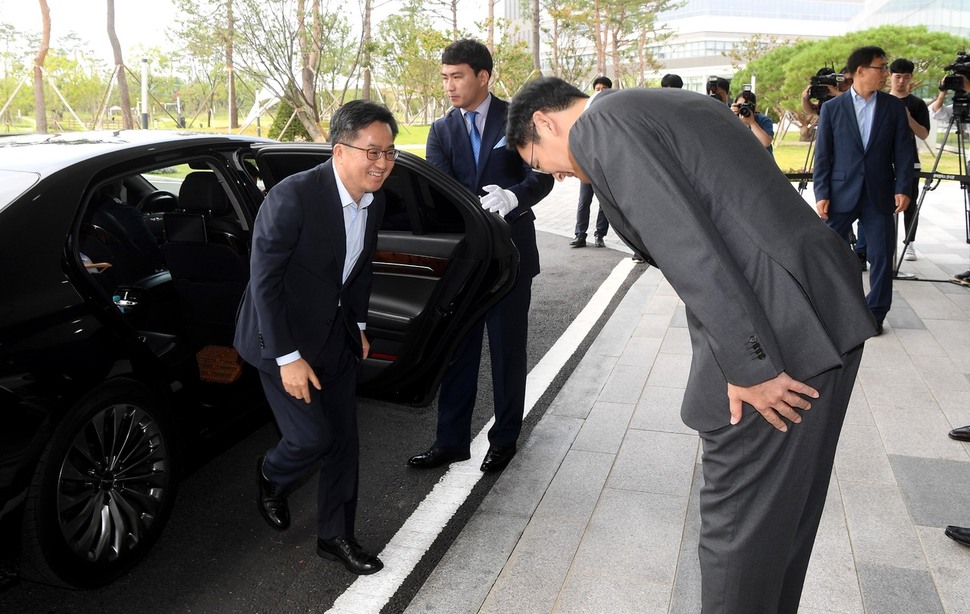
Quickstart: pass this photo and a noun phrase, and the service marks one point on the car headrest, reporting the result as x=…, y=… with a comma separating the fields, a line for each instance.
x=201, y=192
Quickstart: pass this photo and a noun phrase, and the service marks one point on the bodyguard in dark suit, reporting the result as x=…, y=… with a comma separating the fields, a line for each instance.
x=302, y=320
x=775, y=311
x=469, y=144
x=864, y=159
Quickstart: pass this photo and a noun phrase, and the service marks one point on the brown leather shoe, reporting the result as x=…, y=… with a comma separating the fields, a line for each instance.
x=347, y=551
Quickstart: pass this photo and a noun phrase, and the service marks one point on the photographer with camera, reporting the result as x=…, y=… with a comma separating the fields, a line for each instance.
x=719, y=88
x=824, y=86
x=745, y=107
x=959, y=84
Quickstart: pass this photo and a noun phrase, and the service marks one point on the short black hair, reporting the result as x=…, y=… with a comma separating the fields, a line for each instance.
x=863, y=56
x=604, y=80
x=547, y=94
x=352, y=117
x=902, y=66
x=672, y=80
x=468, y=51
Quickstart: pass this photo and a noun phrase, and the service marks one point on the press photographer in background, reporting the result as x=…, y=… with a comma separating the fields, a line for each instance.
x=745, y=107
x=957, y=82
x=719, y=88
x=824, y=86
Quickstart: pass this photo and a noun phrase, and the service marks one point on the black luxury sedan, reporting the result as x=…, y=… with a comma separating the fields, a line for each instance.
x=123, y=257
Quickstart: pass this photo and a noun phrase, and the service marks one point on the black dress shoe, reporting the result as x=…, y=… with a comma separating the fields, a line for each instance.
x=348, y=551
x=878, y=328
x=579, y=241
x=271, y=503
x=435, y=457
x=960, y=434
x=958, y=534
x=599, y=242
x=497, y=458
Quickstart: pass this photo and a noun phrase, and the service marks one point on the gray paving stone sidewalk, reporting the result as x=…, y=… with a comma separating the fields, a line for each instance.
x=598, y=511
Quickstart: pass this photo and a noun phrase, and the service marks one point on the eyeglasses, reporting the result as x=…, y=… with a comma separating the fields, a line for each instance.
x=532, y=155
x=882, y=68
x=375, y=154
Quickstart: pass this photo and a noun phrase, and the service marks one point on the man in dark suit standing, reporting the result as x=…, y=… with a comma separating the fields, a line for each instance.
x=469, y=144
x=302, y=321
x=775, y=310
x=864, y=159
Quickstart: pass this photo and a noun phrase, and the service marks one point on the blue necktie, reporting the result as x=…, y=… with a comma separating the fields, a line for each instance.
x=476, y=136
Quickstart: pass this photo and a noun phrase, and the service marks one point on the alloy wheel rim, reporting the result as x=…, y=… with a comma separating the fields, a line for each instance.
x=112, y=483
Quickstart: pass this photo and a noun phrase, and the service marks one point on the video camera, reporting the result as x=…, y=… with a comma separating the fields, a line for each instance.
x=954, y=83
x=819, y=85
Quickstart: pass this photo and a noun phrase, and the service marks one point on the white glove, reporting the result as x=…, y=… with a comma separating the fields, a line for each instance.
x=499, y=200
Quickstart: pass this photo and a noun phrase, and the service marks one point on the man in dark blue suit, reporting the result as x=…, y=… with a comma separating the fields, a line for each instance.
x=469, y=144
x=864, y=167
x=302, y=321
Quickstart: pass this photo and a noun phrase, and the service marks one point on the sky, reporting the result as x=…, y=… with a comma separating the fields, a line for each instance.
x=144, y=23
x=138, y=23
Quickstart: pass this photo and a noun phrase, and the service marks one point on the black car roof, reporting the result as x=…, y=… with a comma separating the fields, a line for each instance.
x=48, y=153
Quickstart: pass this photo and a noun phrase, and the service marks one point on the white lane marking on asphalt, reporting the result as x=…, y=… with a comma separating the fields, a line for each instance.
x=369, y=594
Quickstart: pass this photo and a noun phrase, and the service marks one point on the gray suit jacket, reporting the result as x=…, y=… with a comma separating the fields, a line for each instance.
x=767, y=285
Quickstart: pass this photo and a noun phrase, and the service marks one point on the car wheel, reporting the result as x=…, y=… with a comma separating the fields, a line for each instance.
x=102, y=491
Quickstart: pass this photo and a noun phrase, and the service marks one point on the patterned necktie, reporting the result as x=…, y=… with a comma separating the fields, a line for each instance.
x=476, y=136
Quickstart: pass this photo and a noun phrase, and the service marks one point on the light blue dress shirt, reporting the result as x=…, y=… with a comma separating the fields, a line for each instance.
x=865, y=110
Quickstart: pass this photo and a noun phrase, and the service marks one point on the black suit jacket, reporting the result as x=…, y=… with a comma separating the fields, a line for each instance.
x=298, y=253
x=844, y=169
x=449, y=148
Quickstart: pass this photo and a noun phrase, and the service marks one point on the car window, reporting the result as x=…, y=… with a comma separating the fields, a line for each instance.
x=13, y=184
x=168, y=178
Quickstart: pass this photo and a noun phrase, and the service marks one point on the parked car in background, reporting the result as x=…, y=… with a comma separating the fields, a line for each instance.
x=123, y=256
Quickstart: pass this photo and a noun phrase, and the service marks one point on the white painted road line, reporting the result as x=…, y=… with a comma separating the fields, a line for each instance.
x=368, y=594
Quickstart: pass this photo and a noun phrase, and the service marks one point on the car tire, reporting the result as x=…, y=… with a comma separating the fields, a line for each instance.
x=102, y=491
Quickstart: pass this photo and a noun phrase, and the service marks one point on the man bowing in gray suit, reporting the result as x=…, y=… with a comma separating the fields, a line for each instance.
x=775, y=310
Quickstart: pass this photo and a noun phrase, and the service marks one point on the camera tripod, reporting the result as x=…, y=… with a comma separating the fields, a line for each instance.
x=933, y=178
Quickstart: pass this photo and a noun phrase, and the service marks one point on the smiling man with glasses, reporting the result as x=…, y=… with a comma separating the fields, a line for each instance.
x=302, y=321
x=864, y=158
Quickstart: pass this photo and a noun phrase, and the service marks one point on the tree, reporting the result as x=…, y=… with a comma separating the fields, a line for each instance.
x=565, y=40
x=410, y=58
x=277, y=32
x=512, y=60
x=206, y=30
x=40, y=105
x=125, y=97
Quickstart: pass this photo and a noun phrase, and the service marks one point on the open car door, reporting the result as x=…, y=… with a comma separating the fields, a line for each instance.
x=441, y=263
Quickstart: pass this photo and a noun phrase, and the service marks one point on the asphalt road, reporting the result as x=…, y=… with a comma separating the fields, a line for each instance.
x=217, y=555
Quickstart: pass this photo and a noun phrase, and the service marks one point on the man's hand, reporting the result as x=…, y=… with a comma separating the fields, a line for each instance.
x=822, y=207
x=902, y=202
x=365, y=345
x=774, y=399
x=296, y=377
x=498, y=200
